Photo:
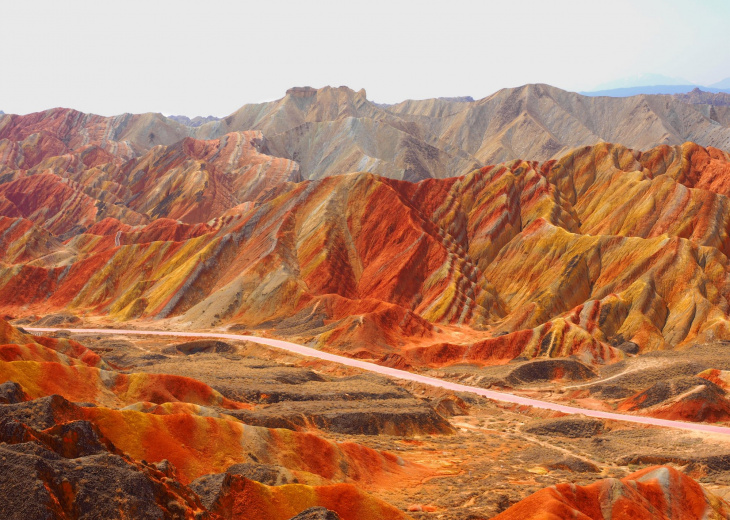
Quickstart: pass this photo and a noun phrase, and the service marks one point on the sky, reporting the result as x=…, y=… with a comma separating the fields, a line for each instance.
x=209, y=58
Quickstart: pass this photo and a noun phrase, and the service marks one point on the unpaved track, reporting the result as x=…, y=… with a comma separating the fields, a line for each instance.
x=408, y=376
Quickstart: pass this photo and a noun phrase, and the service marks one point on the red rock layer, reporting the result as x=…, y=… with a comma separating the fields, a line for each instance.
x=563, y=258
x=150, y=175
x=178, y=418
x=120, y=135
x=659, y=493
x=243, y=498
x=694, y=399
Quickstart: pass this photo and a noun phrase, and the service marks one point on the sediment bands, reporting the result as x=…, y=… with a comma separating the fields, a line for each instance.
x=521, y=259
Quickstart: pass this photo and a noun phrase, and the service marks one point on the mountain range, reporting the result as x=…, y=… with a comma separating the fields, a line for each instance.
x=252, y=228
x=537, y=232
x=337, y=130
x=654, y=84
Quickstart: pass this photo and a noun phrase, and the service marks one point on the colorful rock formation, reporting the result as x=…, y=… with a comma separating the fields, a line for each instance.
x=658, y=493
x=568, y=257
x=62, y=420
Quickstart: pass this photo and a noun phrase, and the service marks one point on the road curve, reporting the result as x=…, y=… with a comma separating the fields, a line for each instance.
x=409, y=376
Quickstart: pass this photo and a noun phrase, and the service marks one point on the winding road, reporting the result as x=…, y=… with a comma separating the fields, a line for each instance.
x=408, y=376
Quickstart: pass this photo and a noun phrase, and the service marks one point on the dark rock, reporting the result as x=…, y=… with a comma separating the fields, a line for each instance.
x=704, y=464
x=210, y=487
x=11, y=393
x=316, y=513
x=668, y=389
x=166, y=467
x=629, y=347
x=67, y=472
x=41, y=413
x=203, y=346
x=570, y=426
x=78, y=439
x=573, y=464
x=58, y=319
x=391, y=417
x=449, y=406
x=611, y=391
x=710, y=463
x=293, y=375
x=276, y=384
x=550, y=370
x=15, y=432
x=268, y=474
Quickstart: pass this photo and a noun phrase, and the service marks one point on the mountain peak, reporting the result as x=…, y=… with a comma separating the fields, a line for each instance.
x=306, y=92
x=301, y=92
x=723, y=84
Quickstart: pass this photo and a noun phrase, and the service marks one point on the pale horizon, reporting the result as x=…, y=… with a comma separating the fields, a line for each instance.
x=177, y=58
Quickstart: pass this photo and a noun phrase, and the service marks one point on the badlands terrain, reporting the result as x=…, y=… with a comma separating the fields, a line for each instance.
x=536, y=242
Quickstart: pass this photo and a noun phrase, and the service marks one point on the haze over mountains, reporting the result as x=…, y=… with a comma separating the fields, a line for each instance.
x=654, y=84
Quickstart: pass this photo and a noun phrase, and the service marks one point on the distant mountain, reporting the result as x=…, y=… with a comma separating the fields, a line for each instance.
x=336, y=130
x=246, y=221
x=640, y=80
x=651, y=90
x=459, y=99
x=331, y=131
x=724, y=84
x=456, y=99
x=126, y=134
x=653, y=84
x=700, y=97
x=194, y=122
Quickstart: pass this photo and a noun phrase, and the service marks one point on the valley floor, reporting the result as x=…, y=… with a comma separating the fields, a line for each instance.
x=481, y=456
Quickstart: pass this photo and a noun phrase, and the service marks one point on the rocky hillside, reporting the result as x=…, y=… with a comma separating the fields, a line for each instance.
x=335, y=130
x=521, y=259
x=700, y=97
x=194, y=122
x=653, y=494
x=76, y=435
x=330, y=131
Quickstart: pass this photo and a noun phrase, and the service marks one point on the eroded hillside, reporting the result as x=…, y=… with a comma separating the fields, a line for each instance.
x=574, y=256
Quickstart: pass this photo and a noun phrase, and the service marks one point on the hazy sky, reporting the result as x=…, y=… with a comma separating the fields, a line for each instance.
x=210, y=57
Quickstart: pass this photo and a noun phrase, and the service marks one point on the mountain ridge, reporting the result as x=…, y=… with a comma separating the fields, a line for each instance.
x=336, y=130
